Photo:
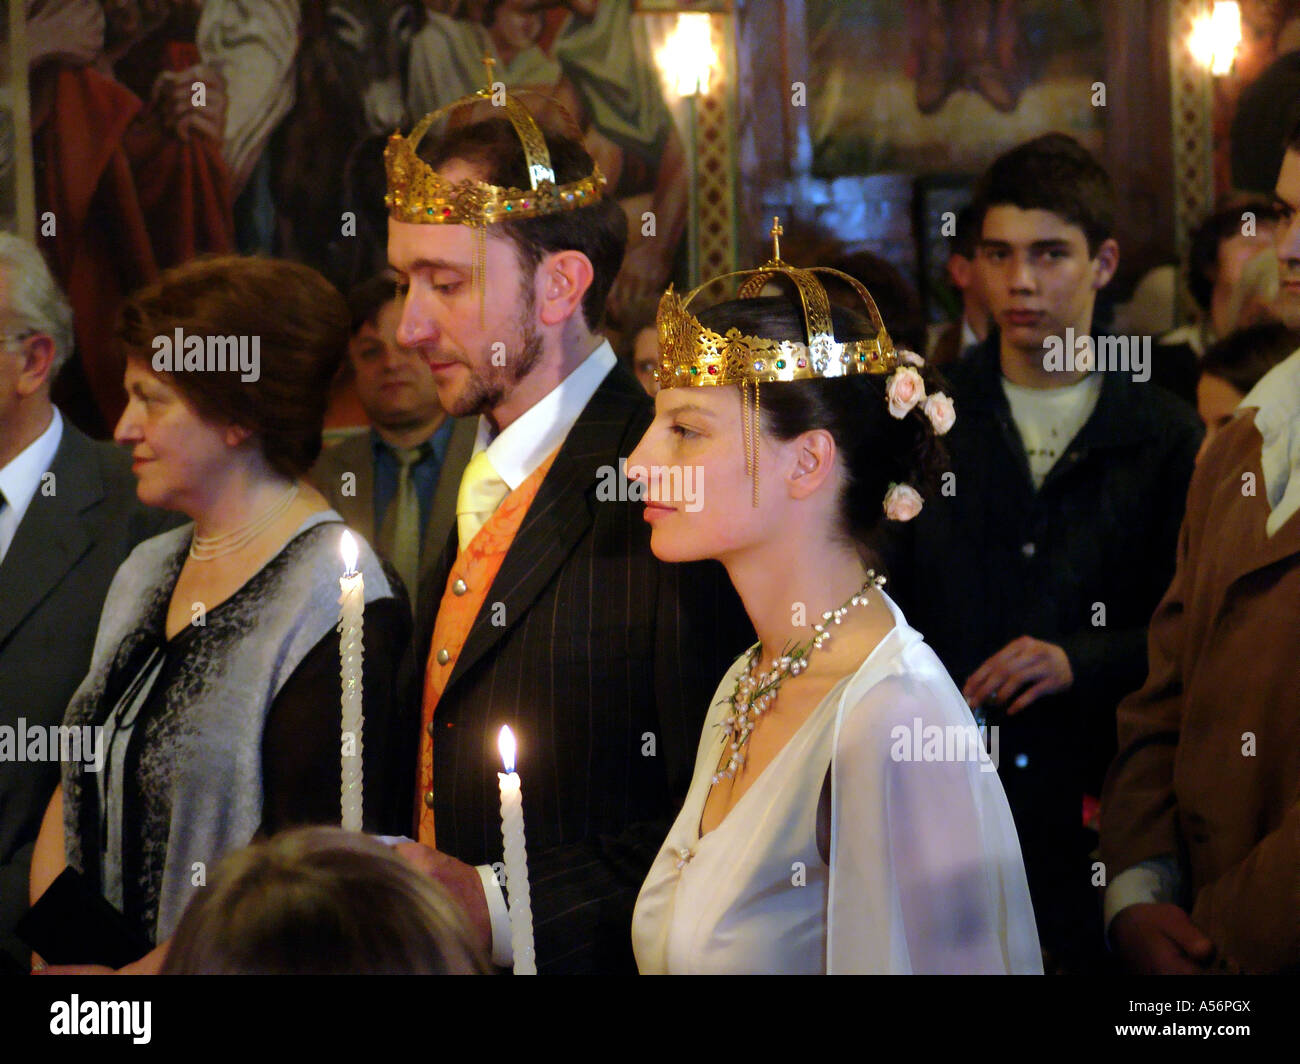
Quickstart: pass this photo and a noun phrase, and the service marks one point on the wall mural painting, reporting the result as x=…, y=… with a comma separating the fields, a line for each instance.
x=163, y=129
x=941, y=74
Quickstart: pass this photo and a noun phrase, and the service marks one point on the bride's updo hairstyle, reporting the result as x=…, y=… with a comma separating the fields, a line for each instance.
x=879, y=449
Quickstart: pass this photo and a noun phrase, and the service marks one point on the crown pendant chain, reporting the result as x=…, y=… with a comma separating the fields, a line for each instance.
x=754, y=695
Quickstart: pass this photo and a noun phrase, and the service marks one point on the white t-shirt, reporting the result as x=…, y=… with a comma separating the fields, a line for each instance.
x=1049, y=418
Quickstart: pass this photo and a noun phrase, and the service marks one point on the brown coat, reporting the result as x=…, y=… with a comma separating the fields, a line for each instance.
x=1209, y=749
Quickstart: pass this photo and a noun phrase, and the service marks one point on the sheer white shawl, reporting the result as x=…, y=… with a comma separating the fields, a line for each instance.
x=926, y=874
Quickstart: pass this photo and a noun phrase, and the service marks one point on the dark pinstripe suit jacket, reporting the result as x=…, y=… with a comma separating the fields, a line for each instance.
x=604, y=667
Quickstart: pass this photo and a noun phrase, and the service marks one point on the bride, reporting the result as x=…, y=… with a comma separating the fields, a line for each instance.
x=844, y=815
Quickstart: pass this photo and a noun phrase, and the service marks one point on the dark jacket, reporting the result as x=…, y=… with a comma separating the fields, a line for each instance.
x=52, y=585
x=605, y=667
x=1081, y=563
x=356, y=455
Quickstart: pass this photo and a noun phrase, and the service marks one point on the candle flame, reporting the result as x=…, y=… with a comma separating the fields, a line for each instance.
x=506, y=744
x=348, y=548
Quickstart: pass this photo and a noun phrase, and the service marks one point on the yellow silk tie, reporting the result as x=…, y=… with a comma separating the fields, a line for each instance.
x=481, y=492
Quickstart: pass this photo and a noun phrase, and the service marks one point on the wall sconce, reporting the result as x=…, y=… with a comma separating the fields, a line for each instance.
x=1215, y=37
x=687, y=59
x=688, y=56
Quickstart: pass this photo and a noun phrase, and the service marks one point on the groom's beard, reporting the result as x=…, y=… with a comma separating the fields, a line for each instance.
x=486, y=391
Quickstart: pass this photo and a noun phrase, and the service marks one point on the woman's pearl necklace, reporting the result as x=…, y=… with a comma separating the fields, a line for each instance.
x=754, y=695
x=205, y=548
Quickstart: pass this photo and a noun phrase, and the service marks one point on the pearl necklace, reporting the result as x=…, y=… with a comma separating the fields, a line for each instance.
x=206, y=548
x=754, y=695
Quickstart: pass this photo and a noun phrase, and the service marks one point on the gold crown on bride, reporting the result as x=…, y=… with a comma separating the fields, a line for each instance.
x=693, y=355
x=420, y=195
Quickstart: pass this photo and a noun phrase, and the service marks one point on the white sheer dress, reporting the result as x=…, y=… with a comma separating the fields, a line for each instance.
x=925, y=870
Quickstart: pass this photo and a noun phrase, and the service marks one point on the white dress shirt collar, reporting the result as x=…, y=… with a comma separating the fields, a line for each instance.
x=968, y=337
x=526, y=442
x=22, y=476
x=1277, y=401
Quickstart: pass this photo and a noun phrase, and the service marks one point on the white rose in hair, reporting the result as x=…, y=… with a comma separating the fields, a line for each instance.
x=910, y=357
x=904, y=390
x=939, y=409
x=902, y=502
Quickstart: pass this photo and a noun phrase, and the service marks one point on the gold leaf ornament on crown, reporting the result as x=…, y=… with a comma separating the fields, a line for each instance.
x=418, y=194
x=691, y=355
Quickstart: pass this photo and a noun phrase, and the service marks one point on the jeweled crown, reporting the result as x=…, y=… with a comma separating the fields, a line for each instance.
x=419, y=194
x=693, y=355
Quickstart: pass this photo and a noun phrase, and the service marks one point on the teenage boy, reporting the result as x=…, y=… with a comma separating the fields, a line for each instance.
x=1035, y=571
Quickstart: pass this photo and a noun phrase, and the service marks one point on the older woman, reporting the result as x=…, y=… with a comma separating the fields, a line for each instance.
x=215, y=674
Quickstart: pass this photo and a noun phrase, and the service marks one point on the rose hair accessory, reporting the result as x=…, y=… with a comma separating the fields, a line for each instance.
x=904, y=392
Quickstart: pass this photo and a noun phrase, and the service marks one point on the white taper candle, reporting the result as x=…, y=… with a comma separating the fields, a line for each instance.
x=352, y=600
x=516, y=855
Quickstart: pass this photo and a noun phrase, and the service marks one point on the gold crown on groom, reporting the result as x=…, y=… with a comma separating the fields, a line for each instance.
x=420, y=195
x=693, y=355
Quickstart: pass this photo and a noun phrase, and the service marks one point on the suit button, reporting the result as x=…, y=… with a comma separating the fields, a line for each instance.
x=443, y=656
x=428, y=799
x=429, y=728
x=1028, y=550
x=459, y=587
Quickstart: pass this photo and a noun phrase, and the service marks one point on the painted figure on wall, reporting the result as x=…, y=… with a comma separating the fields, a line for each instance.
x=127, y=123
x=944, y=85
x=327, y=175
x=965, y=44
x=590, y=58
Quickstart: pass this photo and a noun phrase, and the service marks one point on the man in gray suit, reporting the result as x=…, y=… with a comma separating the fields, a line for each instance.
x=68, y=518
x=395, y=484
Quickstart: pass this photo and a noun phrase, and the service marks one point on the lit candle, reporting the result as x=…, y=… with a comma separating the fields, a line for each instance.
x=352, y=600
x=512, y=834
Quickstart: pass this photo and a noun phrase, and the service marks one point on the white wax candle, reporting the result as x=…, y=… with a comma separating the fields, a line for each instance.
x=512, y=835
x=352, y=600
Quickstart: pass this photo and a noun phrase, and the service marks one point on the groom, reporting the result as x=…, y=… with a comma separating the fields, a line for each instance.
x=547, y=610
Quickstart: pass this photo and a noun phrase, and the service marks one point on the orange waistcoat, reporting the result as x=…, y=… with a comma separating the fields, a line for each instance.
x=475, y=569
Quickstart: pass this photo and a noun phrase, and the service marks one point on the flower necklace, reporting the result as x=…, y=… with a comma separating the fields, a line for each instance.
x=206, y=548
x=754, y=695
